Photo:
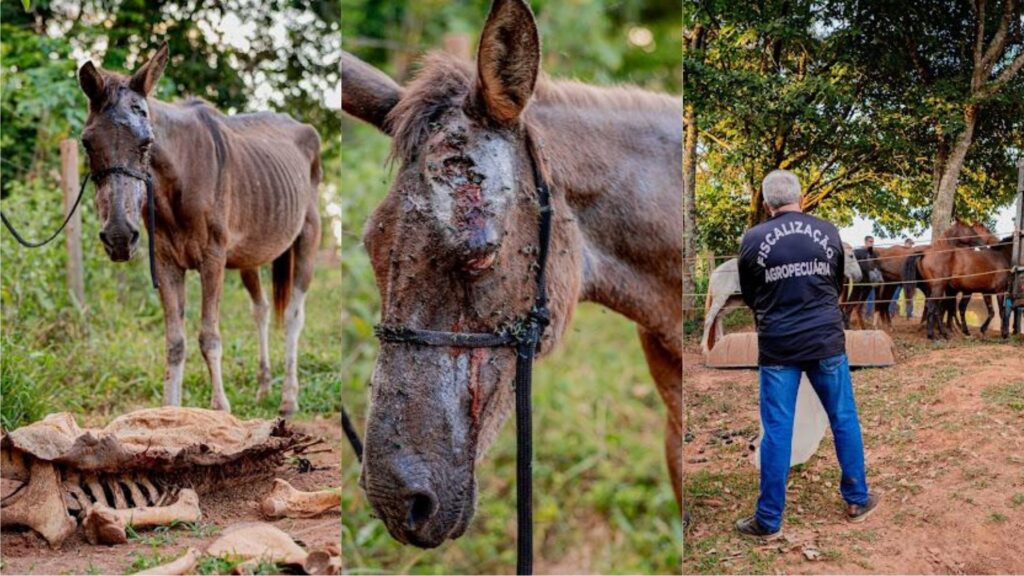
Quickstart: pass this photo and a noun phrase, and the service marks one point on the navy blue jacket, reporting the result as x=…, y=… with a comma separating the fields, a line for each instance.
x=791, y=274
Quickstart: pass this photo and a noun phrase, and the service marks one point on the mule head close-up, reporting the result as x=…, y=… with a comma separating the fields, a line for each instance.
x=118, y=137
x=454, y=248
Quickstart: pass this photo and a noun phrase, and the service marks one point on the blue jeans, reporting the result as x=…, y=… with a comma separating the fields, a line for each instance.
x=779, y=384
x=869, y=309
x=894, y=306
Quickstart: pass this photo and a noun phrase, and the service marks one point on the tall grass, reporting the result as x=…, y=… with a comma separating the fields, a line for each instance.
x=602, y=498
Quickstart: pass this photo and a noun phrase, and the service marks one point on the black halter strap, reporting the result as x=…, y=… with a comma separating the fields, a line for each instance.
x=147, y=179
x=525, y=337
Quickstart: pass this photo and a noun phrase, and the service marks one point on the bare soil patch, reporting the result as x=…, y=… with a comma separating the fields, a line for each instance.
x=944, y=436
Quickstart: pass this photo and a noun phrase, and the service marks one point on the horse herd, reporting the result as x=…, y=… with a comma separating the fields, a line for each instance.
x=966, y=259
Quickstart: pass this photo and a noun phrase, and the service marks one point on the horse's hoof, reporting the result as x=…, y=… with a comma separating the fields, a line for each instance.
x=223, y=405
x=287, y=410
x=262, y=393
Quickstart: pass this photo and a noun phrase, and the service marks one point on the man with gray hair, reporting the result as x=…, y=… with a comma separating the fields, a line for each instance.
x=791, y=274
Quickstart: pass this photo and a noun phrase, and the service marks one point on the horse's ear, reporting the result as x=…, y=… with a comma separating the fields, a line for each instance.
x=367, y=93
x=91, y=81
x=508, y=60
x=145, y=78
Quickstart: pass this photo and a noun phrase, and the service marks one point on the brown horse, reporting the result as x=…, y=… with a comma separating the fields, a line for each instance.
x=891, y=262
x=947, y=267
x=230, y=192
x=454, y=243
x=996, y=258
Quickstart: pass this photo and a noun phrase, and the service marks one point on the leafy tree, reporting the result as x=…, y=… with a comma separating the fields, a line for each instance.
x=829, y=89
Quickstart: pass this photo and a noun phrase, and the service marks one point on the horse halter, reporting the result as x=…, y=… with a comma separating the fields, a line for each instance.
x=524, y=335
x=147, y=179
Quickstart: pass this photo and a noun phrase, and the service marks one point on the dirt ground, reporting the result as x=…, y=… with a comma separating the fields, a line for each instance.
x=24, y=552
x=944, y=440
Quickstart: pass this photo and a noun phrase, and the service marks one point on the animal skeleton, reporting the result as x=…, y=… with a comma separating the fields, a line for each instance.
x=145, y=468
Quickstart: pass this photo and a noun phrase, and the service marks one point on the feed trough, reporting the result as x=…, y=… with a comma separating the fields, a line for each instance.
x=865, y=349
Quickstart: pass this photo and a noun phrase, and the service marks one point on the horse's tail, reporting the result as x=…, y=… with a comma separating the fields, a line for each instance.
x=282, y=275
x=910, y=274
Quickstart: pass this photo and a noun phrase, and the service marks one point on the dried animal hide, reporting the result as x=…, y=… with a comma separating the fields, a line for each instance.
x=142, y=459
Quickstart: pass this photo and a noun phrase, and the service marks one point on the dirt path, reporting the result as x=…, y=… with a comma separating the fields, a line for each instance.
x=944, y=435
x=25, y=552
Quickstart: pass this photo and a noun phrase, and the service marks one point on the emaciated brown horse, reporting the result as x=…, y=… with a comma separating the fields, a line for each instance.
x=230, y=192
x=454, y=242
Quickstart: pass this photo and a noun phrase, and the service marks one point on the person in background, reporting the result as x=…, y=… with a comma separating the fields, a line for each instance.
x=791, y=274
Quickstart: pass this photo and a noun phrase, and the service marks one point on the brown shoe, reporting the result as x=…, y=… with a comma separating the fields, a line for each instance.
x=857, y=513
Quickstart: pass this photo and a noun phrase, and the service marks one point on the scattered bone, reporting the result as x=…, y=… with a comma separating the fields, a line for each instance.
x=106, y=525
x=183, y=565
x=40, y=505
x=286, y=500
x=257, y=541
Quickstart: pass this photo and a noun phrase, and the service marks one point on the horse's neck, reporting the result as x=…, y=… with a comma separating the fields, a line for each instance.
x=621, y=174
x=177, y=135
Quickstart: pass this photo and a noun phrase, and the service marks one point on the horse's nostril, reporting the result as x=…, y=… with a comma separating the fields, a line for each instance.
x=421, y=506
x=104, y=238
x=135, y=236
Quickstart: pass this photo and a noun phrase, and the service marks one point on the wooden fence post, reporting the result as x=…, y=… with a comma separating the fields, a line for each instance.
x=73, y=232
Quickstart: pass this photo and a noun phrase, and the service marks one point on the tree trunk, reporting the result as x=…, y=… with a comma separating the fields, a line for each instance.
x=945, y=193
x=689, y=209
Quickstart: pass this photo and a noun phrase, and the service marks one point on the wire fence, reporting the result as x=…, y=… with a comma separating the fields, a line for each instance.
x=900, y=282
x=918, y=247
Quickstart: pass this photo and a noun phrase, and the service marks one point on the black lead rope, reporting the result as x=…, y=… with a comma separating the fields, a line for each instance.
x=28, y=244
x=351, y=434
x=525, y=338
x=98, y=177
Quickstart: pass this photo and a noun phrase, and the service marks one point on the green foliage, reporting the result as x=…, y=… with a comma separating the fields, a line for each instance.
x=584, y=39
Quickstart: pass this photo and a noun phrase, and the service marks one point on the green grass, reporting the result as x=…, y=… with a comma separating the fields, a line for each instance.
x=1010, y=395
x=601, y=487
x=107, y=357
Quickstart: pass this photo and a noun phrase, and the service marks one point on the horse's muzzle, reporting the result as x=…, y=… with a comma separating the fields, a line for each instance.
x=120, y=247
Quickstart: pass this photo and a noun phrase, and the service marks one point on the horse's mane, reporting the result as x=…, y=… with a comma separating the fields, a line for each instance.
x=444, y=81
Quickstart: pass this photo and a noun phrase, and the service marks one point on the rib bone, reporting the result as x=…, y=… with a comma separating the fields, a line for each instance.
x=286, y=500
x=106, y=525
x=40, y=505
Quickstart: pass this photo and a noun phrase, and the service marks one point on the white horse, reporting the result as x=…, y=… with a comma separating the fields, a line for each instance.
x=724, y=294
x=810, y=419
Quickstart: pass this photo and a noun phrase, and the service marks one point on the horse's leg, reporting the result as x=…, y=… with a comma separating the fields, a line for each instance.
x=172, y=298
x=304, y=257
x=667, y=370
x=261, y=314
x=965, y=301
x=987, y=299
x=211, y=274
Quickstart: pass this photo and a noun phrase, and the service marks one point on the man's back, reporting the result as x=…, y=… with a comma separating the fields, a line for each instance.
x=791, y=273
